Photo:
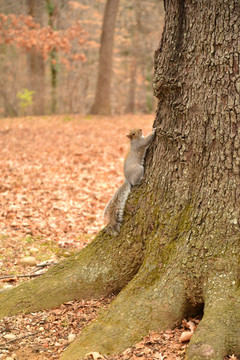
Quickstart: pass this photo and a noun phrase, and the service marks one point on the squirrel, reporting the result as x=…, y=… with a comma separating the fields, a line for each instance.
x=133, y=172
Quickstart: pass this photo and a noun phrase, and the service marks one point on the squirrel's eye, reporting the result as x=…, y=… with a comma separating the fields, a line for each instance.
x=133, y=134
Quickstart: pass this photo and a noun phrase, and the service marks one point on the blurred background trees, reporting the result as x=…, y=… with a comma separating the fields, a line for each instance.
x=102, y=100
x=52, y=57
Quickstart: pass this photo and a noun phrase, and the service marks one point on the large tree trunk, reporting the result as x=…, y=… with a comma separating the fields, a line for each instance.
x=178, y=250
x=102, y=101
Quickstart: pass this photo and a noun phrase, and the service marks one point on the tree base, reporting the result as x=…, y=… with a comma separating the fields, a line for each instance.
x=160, y=306
x=157, y=290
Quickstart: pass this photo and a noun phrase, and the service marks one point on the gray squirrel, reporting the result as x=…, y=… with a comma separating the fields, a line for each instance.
x=133, y=171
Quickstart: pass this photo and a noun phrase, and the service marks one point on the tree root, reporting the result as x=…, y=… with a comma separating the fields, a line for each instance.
x=158, y=298
x=136, y=310
x=218, y=334
x=102, y=268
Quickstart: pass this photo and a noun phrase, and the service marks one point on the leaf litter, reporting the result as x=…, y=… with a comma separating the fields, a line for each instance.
x=56, y=176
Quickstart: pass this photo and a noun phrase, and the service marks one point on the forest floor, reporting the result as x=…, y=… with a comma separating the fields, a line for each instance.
x=56, y=176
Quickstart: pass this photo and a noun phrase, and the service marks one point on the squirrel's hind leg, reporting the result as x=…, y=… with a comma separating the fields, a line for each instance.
x=137, y=175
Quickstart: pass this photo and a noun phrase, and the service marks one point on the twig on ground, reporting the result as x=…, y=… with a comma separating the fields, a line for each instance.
x=33, y=274
x=3, y=345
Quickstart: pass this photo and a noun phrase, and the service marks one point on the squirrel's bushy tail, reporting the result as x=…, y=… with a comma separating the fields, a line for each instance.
x=113, y=213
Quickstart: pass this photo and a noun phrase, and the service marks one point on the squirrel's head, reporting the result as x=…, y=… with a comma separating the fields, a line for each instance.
x=135, y=134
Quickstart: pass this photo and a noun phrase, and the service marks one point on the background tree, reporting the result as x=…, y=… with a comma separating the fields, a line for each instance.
x=74, y=75
x=136, y=39
x=135, y=46
x=36, y=63
x=102, y=101
x=39, y=42
x=52, y=11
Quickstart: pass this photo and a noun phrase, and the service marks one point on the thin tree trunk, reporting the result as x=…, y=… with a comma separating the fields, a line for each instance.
x=51, y=9
x=130, y=107
x=36, y=63
x=54, y=73
x=102, y=101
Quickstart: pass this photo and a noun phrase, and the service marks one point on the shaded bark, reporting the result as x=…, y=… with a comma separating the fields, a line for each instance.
x=36, y=64
x=178, y=250
x=102, y=101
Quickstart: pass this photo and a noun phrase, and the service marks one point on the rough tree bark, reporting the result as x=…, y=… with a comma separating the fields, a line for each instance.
x=178, y=250
x=102, y=101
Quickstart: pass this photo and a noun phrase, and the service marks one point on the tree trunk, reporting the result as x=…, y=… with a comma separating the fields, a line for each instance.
x=36, y=64
x=178, y=249
x=102, y=101
x=52, y=11
x=130, y=107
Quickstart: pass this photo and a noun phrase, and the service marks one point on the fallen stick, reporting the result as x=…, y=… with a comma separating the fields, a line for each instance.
x=41, y=266
x=18, y=338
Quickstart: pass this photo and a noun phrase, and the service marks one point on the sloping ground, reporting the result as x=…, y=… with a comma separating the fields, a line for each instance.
x=56, y=176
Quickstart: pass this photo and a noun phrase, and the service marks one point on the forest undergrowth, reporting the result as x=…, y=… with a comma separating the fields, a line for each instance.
x=57, y=174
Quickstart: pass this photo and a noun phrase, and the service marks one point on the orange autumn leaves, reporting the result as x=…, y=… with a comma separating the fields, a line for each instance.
x=25, y=34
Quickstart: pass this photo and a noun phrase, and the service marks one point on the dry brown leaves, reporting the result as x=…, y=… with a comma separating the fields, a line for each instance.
x=45, y=334
x=56, y=176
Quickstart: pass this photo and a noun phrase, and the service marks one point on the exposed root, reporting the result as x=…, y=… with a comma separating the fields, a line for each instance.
x=218, y=334
x=137, y=309
x=105, y=266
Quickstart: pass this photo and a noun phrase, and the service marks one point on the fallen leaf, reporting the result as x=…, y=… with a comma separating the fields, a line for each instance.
x=94, y=355
x=191, y=326
x=186, y=336
x=159, y=356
